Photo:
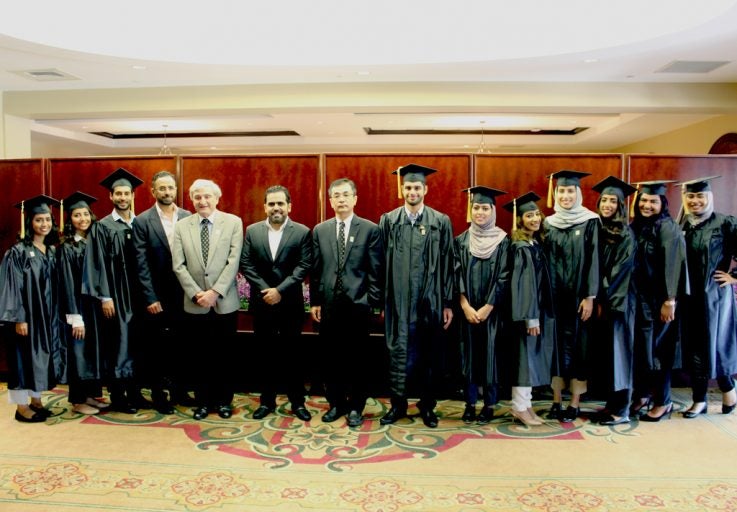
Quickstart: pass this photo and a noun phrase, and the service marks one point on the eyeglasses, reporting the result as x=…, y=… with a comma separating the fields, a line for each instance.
x=345, y=195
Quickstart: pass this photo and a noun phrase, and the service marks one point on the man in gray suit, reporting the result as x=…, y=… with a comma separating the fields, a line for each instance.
x=277, y=255
x=205, y=256
x=346, y=282
x=153, y=236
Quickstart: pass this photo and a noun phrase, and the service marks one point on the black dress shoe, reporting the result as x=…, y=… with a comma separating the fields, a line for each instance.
x=570, y=414
x=554, y=412
x=469, y=414
x=36, y=418
x=184, y=399
x=355, y=419
x=429, y=418
x=333, y=414
x=394, y=414
x=693, y=412
x=123, y=406
x=200, y=413
x=262, y=412
x=611, y=420
x=664, y=415
x=485, y=416
x=139, y=402
x=164, y=407
x=45, y=413
x=303, y=414
x=727, y=409
x=225, y=411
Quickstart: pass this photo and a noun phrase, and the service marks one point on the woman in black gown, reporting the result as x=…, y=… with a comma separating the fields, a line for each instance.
x=481, y=271
x=28, y=301
x=571, y=247
x=532, y=331
x=661, y=280
x=710, y=318
x=615, y=311
x=82, y=313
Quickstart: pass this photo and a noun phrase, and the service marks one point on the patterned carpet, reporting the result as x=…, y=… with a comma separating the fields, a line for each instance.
x=150, y=462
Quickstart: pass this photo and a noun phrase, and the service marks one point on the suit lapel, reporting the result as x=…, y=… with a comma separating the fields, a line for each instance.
x=217, y=232
x=333, y=238
x=263, y=229
x=288, y=229
x=352, y=235
x=194, y=232
x=158, y=228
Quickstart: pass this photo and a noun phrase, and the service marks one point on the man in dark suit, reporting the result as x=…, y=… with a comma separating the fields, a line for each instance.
x=205, y=256
x=277, y=254
x=345, y=285
x=153, y=236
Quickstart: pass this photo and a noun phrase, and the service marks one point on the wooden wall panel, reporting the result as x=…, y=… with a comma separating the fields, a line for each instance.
x=377, y=187
x=243, y=180
x=67, y=175
x=684, y=168
x=21, y=179
x=517, y=174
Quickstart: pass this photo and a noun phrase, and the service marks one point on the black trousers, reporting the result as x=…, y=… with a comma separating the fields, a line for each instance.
x=280, y=354
x=162, y=363
x=345, y=343
x=211, y=347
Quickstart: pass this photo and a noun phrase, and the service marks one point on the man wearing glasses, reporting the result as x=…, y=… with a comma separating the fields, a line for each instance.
x=346, y=282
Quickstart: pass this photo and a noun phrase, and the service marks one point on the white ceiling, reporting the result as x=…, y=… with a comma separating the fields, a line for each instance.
x=330, y=69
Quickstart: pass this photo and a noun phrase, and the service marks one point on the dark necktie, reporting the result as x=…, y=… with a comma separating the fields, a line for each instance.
x=205, y=240
x=341, y=256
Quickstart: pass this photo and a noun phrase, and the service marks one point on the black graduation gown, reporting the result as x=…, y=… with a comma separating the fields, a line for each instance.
x=615, y=327
x=86, y=361
x=710, y=318
x=419, y=284
x=109, y=272
x=29, y=293
x=533, y=358
x=573, y=260
x=660, y=272
x=482, y=282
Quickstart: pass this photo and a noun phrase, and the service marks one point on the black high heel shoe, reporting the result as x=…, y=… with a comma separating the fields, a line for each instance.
x=642, y=404
x=692, y=412
x=653, y=419
x=554, y=412
x=727, y=409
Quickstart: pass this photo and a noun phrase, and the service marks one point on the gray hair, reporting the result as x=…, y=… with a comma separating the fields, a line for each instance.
x=200, y=184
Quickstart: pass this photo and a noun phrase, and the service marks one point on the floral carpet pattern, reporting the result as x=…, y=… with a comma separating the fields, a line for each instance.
x=150, y=462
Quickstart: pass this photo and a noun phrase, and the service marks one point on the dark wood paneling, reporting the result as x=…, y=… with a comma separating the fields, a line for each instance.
x=377, y=187
x=70, y=174
x=684, y=168
x=243, y=180
x=21, y=179
x=517, y=174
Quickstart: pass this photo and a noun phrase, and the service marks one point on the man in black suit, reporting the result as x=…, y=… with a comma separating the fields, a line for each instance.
x=153, y=235
x=345, y=283
x=277, y=254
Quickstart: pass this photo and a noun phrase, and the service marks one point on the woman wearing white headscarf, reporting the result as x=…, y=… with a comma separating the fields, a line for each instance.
x=572, y=250
x=710, y=340
x=481, y=273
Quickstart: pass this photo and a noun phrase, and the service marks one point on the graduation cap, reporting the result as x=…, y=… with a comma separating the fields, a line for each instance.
x=38, y=204
x=697, y=185
x=614, y=186
x=481, y=195
x=121, y=178
x=652, y=187
x=412, y=172
x=564, y=178
x=73, y=201
x=524, y=203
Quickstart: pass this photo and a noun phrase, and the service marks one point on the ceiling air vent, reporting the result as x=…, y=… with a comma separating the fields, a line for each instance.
x=692, y=66
x=46, y=75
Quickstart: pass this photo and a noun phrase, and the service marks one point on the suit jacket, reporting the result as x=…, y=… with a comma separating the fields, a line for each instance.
x=286, y=272
x=363, y=268
x=226, y=241
x=153, y=257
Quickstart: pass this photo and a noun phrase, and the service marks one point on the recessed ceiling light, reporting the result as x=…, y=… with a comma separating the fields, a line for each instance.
x=364, y=73
x=591, y=61
x=138, y=67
